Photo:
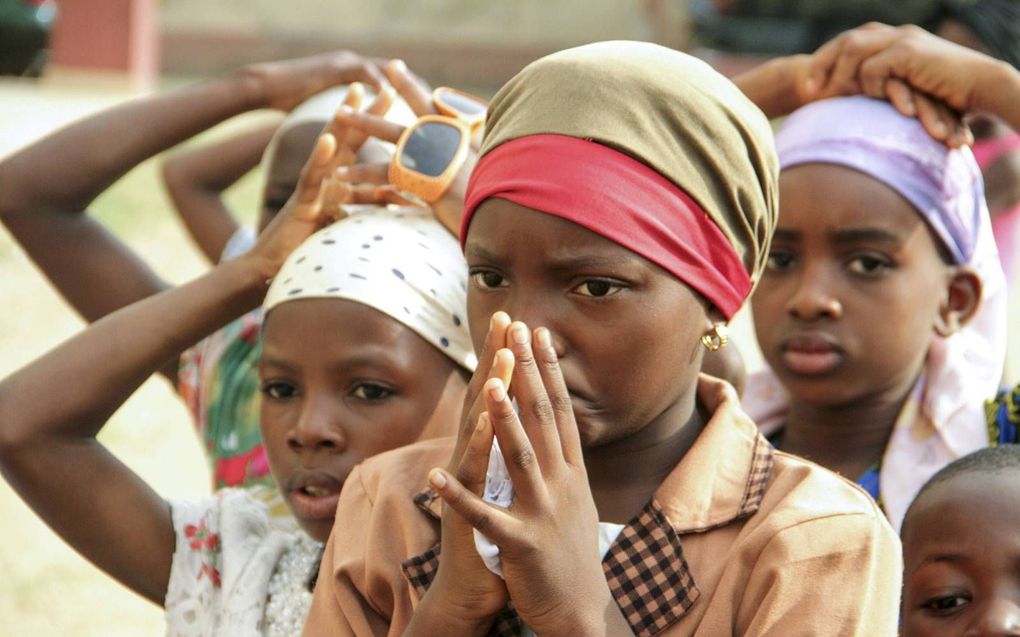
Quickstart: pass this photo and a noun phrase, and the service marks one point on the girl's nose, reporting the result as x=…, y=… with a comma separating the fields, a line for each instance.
x=813, y=298
x=535, y=313
x=317, y=430
x=1001, y=618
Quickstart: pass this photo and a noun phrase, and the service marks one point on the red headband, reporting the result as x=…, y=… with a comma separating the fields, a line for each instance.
x=618, y=197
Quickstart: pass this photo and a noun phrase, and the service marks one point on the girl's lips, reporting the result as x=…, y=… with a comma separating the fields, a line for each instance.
x=811, y=363
x=811, y=354
x=313, y=507
x=313, y=495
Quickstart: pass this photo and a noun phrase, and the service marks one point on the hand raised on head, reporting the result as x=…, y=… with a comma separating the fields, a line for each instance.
x=285, y=84
x=923, y=75
x=447, y=209
x=320, y=195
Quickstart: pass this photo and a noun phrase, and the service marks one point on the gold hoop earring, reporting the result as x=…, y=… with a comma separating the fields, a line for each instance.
x=716, y=338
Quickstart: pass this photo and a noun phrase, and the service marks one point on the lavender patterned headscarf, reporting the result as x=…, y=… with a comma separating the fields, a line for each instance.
x=946, y=188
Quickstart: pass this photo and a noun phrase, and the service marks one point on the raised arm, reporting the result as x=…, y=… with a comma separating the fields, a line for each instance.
x=876, y=56
x=52, y=410
x=196, y=178
x=46, y=187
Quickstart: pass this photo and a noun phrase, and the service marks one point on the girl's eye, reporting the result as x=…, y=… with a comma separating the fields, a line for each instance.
x=780, y=260
x=488, y=279
x=945, y=604
x=371, y=391
x=598, y=288
x=868, y=265
x=278, y=390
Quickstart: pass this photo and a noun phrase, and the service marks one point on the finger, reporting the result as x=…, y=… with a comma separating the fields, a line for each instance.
x=537, y=414
x=352, y=101
x=370, y=194
x=836, y=63
x=335, y=193
x=371, y=125
x=355, y=95
x=364, y=71
x=963, y=136
x=315, y=169
x=519, y=453
x=901, y=96
x=489, y=519
x=417, y=96
x=559, y=397
x=490, y=363
x=934, y=117
x=474, y=464
x=365, y=174
x=393, y=196
x=354, y=138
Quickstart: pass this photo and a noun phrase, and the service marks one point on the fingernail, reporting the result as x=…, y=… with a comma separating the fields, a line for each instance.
x=342, y=171
x=437, y=479
x=496, y=390
x=519, y=332
x=940, y=129
x=398, y=65
x=810, y=86
x=543, y=338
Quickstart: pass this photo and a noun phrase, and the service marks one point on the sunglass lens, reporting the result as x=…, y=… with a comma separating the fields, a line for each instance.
x=430, y=148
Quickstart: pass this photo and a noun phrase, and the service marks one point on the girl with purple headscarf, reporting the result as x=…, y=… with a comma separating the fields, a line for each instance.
x=882, y=314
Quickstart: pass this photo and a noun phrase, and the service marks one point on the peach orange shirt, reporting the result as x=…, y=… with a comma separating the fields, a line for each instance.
x=739, y=539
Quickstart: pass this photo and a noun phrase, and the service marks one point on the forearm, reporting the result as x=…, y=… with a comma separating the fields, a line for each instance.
x=51, y=411
x=999, y=93
x=775, y=86
x=67, y=169
x=195, y=181
x=71, y=391
x=433, y=616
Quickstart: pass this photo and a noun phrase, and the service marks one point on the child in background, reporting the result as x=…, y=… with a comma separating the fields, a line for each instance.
x=49, y=185
x=644, y=501
x=364, y=350
x=877, y=59
x=217, y=378
x=878, y=220
x=961, y=549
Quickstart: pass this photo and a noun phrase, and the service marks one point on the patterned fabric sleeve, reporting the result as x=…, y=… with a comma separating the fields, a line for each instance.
x=195, y=588
x=1003, y=413
x=226, y=551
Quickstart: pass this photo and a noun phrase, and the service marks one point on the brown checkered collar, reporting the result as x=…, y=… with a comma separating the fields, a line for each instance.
x=645, y=567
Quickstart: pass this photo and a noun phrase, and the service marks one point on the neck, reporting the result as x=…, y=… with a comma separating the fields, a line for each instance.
x=849, y=438
x=624, y=475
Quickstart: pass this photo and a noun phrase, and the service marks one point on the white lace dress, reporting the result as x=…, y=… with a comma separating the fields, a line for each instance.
x=237, y=572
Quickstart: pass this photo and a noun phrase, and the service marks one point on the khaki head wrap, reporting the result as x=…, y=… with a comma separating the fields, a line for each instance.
x=669, y=111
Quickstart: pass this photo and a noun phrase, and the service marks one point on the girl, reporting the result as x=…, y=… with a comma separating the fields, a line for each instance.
x=364, y=351
x=44, y=205
x=882, y=313
x=644, y=502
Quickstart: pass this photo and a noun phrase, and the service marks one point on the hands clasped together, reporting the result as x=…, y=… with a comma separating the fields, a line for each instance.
x=548, y=536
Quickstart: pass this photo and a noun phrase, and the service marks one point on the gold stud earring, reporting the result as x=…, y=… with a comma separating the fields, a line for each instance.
x=716, y=338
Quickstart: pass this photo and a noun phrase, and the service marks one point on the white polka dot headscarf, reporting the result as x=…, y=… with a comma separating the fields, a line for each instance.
x=397, y=260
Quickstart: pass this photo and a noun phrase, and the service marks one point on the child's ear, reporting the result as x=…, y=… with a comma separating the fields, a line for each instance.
x=961, y=301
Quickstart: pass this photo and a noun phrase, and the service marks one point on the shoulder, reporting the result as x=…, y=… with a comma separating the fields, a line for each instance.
x=401, y=473
x=800, y=491
x=225, y=553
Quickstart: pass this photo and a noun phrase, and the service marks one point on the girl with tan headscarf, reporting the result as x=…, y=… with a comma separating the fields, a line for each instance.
x=620, y=211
